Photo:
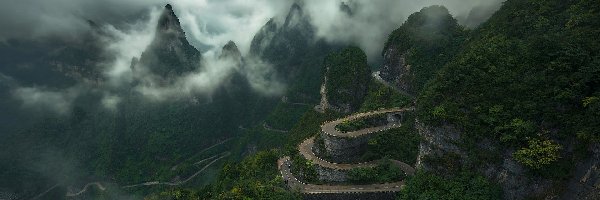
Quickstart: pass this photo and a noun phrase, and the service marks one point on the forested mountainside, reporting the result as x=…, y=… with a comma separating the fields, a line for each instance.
x=420, y=47
x=508, y=110
x=522, y=96
x=139, y=140
x=295, y=51
x=169, y=53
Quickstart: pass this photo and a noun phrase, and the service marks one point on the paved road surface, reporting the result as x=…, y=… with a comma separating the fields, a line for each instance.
x=329, y=127
x=306, y=147
x=306, y=150
x=150, y=183
x=269, y=128
x=85, y=188
x=284, y=167
x=377, y=77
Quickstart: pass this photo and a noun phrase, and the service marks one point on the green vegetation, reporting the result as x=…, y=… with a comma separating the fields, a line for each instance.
x=256, y=177
x=304, y=169
x=399, y=144
x=286, y=115
x=429, y=39
x=527, y=80
x=348, y=76
x=529, y=74
x=538, y=153
x=385, y=172
x=464, y=185
x=381, y=96
x=362, y=123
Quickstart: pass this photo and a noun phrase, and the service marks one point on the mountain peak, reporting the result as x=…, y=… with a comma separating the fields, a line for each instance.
x=230, y=46
x=170, y=53
x=168, y=21
x=231, y=50
x=295, y=17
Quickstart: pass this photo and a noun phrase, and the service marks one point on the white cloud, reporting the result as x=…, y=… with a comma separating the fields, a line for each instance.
x=58, y=101
x=374, y=20
x=209, y=24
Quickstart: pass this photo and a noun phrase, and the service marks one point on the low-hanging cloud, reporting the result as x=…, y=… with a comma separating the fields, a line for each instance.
x=372, y=21
x=129, y=26
x=58, y=101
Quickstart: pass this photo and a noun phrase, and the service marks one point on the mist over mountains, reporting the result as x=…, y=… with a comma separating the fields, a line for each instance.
x=120, y=35
x=118, y=90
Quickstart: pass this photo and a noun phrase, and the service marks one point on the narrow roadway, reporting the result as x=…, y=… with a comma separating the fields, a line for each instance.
x=85, y=188
x=269, y=128
x=306, y=151
x=329, y=127
x=150, y=183
x=306, y=147
x=377, y=77
x=284, y=167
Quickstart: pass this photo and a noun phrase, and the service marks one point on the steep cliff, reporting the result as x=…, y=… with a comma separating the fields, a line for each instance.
x=296, y=54
x=346, y=80
x=169, y=54
x=421, y=46
x=519, y=103
x=285, y=43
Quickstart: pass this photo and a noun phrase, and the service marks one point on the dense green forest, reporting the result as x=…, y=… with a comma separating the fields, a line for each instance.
x=523, y=87
x=527, y=78
x=348, y=76
x=428, y=39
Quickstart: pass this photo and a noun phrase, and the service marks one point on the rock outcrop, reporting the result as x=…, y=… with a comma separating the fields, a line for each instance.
x=395, y=70
x=585, y=183
x=444, y=143
x=284, y=44
x=420, y=47
x=169, y=54
x=346, y=80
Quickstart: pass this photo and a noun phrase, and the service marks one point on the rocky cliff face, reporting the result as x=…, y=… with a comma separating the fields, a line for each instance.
x=395, y=69
x=441, y=151
x=346, y=80
x=284, y=45
x=420, y=47
x=169, y=54
x=585, y=183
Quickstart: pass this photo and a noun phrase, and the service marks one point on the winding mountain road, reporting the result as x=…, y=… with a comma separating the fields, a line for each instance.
x=85, y=188
x=329, y=127
x=306, y=149
x=202, y=151
x=151, y=183
x=269, y=128
x=284, y=165
x=377, y=77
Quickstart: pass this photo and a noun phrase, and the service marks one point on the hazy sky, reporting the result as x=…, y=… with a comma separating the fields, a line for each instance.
x=209, y=24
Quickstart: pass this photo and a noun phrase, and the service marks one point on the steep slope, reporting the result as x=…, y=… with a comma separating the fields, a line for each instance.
x=284, y=43
x=346, y=80
x=169, y=54
x=520, y=102
x=140, y=140
x=421, y=46
x=294, y=51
